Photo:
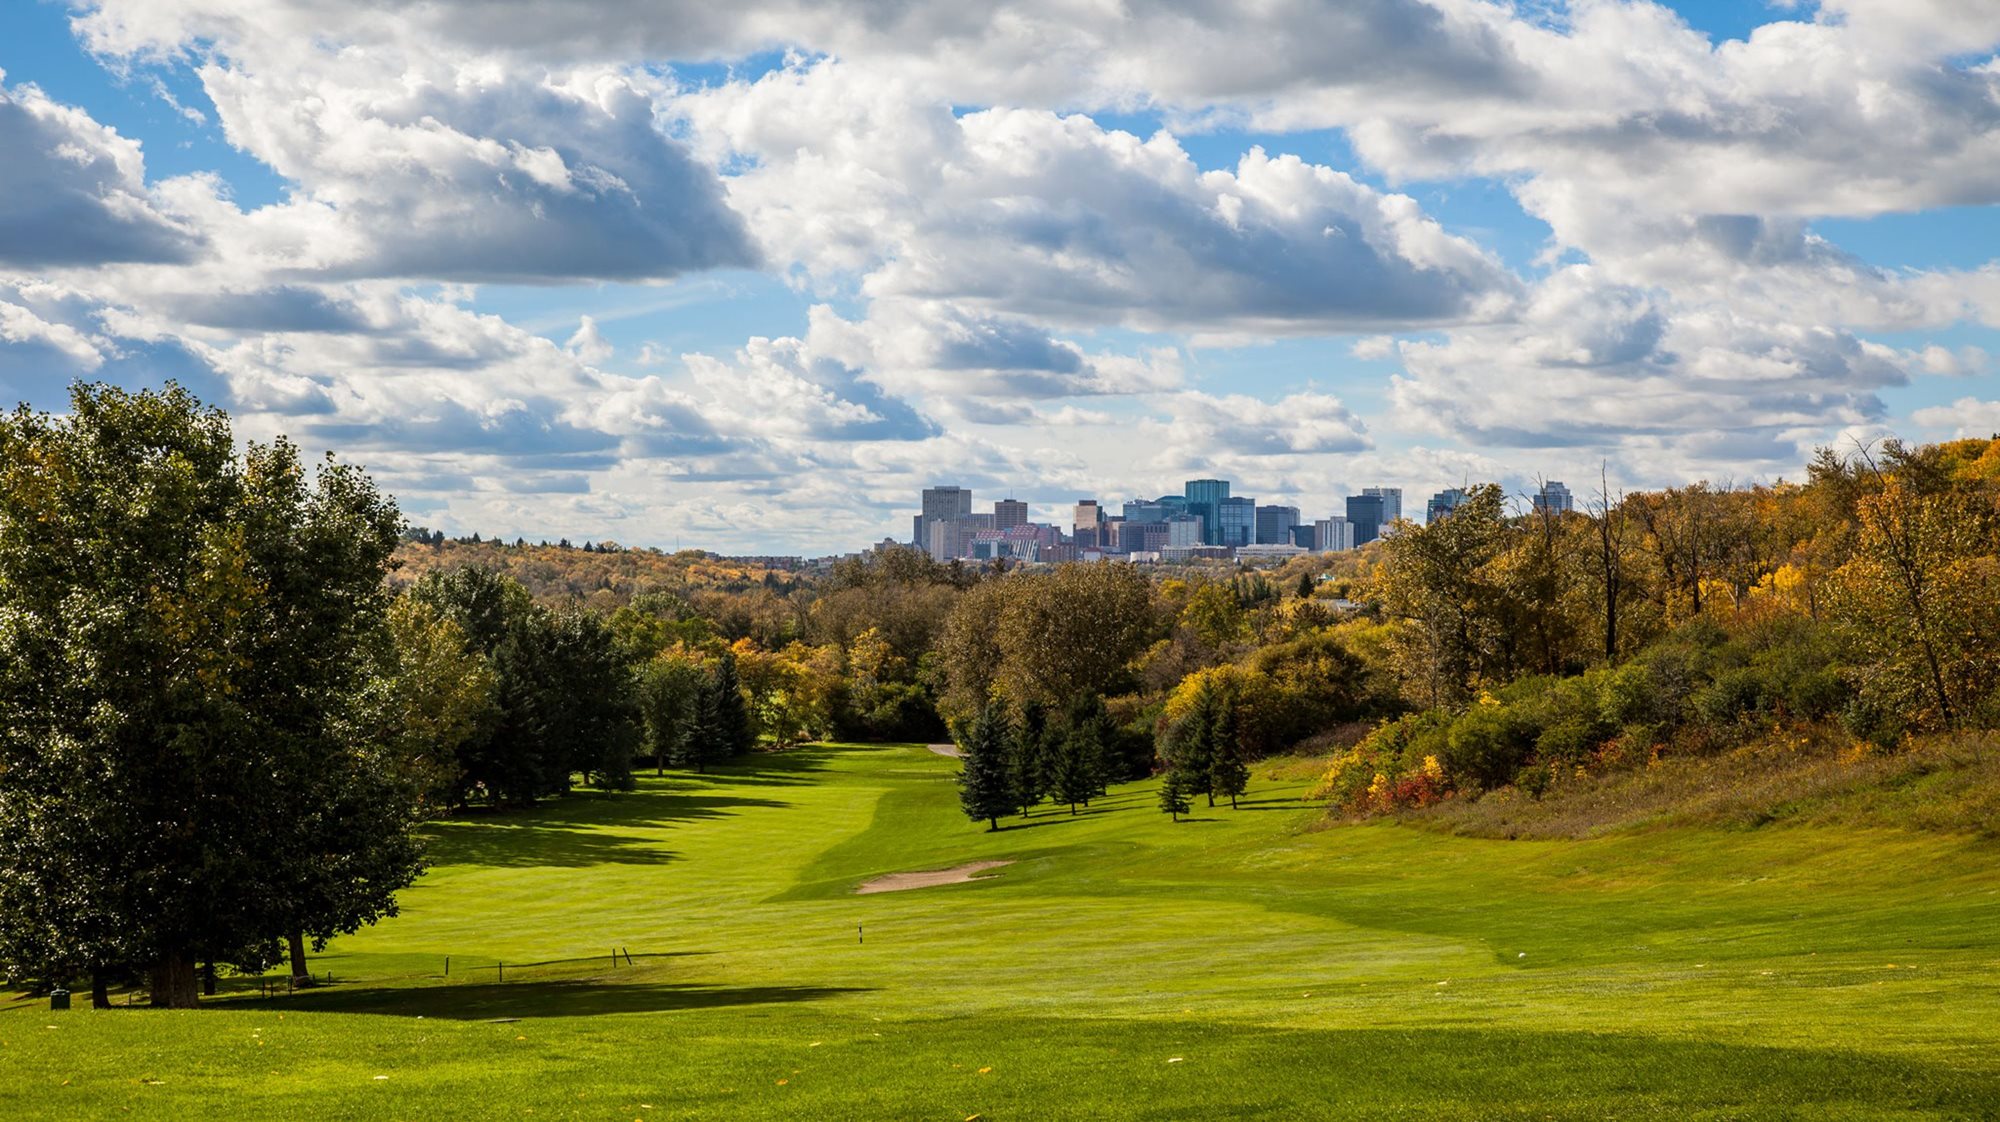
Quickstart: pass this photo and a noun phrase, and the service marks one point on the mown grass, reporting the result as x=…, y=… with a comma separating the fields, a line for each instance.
x=1243, y=964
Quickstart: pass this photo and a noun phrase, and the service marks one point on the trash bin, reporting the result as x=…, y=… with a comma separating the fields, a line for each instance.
x=58, y=998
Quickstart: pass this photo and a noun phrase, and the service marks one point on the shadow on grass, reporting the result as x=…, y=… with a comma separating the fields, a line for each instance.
x=789, y=767
x=487, y=1001
x=575, y=833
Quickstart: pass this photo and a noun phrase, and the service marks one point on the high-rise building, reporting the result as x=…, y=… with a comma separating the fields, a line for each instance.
x=1088, y=524
x=1149, y=537
x=1183, y=529
x=1008, y=513
x=1331, y=535
x=1365, y=512
x=1237, y=522
x=1274, y=524
x=1204, y=500
x=1392, y=502
x=940, y=504
x=1442, y=504
x=1554, y=498
x=951, y=537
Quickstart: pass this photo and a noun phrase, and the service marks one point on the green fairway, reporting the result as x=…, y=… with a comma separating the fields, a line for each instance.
x=1239, y=964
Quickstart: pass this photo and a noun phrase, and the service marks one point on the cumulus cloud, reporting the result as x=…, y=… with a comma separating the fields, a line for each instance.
x=588, y=344
x=1027, y=212
x=26, y=333
x=1632, y=373
x=781, y=388
x=1001, y=263
x=1968, y=417
x=453, y=170
x=1239, y=425
x=937, y=348
x=73, y=192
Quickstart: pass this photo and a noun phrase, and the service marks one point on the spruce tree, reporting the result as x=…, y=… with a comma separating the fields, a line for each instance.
x=701, y=742
x=985, y=788
x=1191, y=747
x=1173, y=798
x=1087, y=718
x=1076, y=771
x=1305, y=586
x=1227, y=774
x=732, y=713
x=1025, y=763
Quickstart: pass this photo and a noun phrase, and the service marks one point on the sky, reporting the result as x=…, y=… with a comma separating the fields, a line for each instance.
x=748, y=276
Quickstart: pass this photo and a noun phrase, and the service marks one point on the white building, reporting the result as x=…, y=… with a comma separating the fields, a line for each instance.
x=1269, y=552
x=1392, y=503
x=1335, y=534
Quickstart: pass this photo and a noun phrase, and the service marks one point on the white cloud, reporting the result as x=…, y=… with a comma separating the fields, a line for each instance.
x=1966, y=417
x=73, y=192
x=1027, y=213
x=1205, y=427
x=1002, y=265
x=935, y=348
x=588, y=345
x=1641, y=377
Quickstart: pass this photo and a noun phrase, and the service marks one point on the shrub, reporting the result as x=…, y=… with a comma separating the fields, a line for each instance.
x=1730, y=697
x=1488, y=745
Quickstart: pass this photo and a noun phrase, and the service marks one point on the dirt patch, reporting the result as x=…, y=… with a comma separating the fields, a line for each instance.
x=898, y=882
x=947, y=750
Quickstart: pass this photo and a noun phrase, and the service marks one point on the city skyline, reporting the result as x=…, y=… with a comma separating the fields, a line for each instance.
x=1203, y=521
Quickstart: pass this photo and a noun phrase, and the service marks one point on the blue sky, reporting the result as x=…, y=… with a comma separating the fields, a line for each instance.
x=750, y=277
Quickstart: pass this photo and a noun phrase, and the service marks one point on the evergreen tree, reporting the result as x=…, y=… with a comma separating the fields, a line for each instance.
x=1026, y=763
x=700, y=742
x=985, y=788
x=1076, y=764
x=1305, y=586
x=732, y=713
x=1191, y=744
x=1173, y=798
x=1098, y=748
x=1227, y=774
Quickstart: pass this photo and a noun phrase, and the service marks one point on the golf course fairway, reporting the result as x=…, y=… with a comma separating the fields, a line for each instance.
x=697, y=949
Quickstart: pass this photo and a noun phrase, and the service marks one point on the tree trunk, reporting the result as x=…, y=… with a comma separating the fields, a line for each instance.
x=174, y=981
x=100, y=991
x=301, y=977
x=208, y=979
x=992, y=824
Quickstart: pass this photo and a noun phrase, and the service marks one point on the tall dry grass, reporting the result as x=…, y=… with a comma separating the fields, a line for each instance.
x=1818, y=776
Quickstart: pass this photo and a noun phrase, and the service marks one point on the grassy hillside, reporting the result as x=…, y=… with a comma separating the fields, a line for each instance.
x=1945, y=782
x=1242, y=964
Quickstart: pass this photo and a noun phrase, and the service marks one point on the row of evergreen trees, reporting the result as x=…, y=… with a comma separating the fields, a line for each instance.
x=1013, y=765
x=1203, y=755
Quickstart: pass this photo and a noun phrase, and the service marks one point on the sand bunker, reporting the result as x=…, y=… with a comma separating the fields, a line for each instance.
x=947, y=750
x=897, y=882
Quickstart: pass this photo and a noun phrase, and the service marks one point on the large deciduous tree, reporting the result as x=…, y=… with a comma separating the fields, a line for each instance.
x=187, y=770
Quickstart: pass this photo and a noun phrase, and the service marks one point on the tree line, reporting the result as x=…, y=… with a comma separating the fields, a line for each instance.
x=1535, y=646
